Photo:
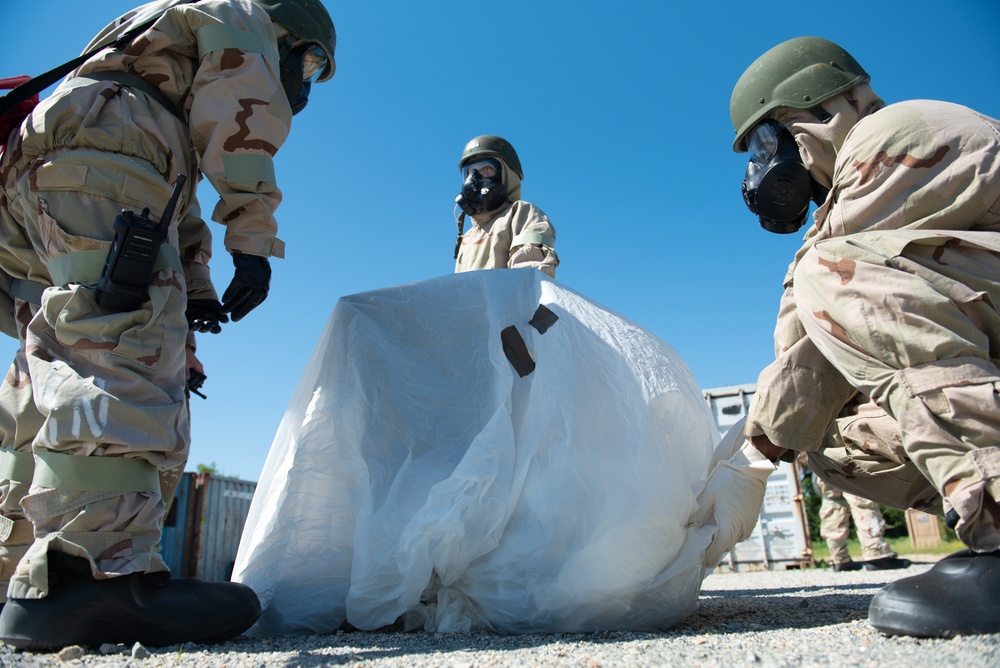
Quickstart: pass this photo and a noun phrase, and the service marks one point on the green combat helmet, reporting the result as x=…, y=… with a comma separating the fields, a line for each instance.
x=493, y=147
x=308, y=21
x=800, y=73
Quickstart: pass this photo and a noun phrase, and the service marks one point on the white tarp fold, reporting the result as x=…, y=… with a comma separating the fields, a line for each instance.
x=416, y=476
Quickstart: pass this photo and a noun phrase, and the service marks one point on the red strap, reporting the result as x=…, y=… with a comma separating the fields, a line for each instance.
x=13, y=82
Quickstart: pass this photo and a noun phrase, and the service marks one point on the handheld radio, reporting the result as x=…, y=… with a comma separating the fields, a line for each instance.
x=133, y=253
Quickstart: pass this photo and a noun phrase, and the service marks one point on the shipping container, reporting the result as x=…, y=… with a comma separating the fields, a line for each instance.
x=203, y=527
x=781, y=538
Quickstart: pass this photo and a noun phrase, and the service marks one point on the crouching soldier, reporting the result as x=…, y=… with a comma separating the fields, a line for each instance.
x=886, y=372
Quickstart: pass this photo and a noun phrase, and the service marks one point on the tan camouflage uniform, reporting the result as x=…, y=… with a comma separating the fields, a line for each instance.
x=892, y=298
x=517, y=235
x=835, y=512
x=109, y=386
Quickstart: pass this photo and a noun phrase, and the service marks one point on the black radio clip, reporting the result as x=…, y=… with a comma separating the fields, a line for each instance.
x=133, y=253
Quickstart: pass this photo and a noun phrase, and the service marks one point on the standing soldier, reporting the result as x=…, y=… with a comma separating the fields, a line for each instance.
x=506, y=231
x=93, y=407
x=888, y=332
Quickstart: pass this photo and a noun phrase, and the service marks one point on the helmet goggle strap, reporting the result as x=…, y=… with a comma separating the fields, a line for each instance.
x=821, y=114
x=488, y=168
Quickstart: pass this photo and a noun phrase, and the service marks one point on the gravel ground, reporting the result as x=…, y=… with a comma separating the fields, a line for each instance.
x=784, y=618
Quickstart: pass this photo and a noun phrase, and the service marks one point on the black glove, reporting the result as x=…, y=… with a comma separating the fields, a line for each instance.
x=205, y=315
x=249, y=287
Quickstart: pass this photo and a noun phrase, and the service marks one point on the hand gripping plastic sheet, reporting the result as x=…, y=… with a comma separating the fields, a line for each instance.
x=486, y=450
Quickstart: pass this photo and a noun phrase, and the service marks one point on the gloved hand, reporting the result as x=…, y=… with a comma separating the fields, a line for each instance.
x=733, y=494
x=249, y=286
x=205, y=315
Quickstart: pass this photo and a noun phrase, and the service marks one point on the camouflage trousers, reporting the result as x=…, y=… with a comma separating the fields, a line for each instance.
x=835, y=513
x=912, y=326
x=93, y=410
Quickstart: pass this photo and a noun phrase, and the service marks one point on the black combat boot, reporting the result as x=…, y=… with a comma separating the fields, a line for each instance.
x=849, y=565
x=959, y=595
x=886, y=563
x=151, y=608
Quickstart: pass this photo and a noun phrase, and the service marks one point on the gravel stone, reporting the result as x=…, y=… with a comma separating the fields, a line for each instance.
x=140, y=652
x=71, y=653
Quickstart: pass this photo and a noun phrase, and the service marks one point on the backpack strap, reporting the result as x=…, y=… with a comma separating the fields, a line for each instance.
x=37, y=84
x=134, y=81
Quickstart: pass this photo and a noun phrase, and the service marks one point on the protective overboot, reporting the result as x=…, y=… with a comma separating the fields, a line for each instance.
x=10, y=555
x=886, y=563
x=152, y=609
x=11, y=551
x=846, y=566
x=959, y=595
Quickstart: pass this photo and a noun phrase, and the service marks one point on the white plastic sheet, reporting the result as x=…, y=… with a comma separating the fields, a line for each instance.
x=417, y=477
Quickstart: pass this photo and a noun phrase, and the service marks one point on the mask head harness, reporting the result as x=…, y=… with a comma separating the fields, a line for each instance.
x=777, y=186
x=301, y=66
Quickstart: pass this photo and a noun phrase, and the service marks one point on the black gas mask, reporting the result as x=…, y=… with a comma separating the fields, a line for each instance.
x=777, y=186
x=482, y=188
x=300, y=67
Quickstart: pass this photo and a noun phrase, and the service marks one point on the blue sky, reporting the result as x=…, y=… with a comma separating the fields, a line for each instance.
x=620, y=114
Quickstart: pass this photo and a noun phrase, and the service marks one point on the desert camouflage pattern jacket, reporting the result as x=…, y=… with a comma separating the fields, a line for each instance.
x=518, y=235
x=920, y=171
x=216, y=109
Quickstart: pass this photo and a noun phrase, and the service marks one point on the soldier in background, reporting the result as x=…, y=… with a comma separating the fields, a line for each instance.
x=836, y=510
x=835, y=513
x=887, y=330
x=93, y=410
x=506, y=231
